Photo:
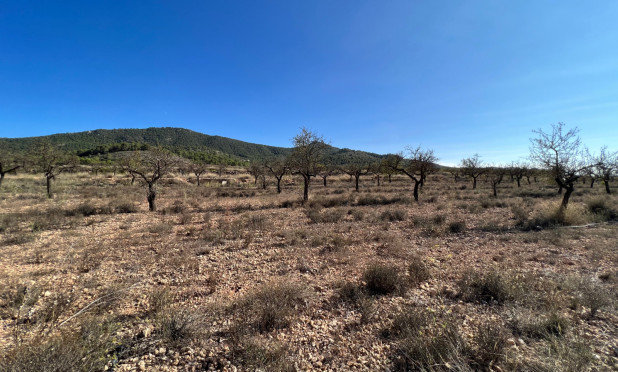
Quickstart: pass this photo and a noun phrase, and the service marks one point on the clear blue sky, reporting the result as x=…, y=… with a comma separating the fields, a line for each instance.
x=461, y=77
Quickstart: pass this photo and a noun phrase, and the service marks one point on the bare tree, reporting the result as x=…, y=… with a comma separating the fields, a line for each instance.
x=151, y=166
x=417, y=164
x=455, y=172
x=278, y=168
x=495, y=175
x=309, y=148
x=560, y=152
x=325, y=171
x=605, y=165
x=52, y=161
x=8, y=163
x=517, y=172
x=256, y=170
x=472, y=167
x=198, y=168
x=356, y=170
x=377, y=168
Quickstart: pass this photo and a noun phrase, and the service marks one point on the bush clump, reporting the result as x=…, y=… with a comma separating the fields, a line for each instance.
x=488, y=288
x=382, y=279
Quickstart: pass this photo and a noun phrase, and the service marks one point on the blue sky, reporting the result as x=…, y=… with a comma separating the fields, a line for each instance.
x=458, y=77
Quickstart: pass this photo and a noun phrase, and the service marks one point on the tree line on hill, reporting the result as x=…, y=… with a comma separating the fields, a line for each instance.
x=558, y=155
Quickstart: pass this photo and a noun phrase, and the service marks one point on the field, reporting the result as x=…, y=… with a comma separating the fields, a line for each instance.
x=235, y=277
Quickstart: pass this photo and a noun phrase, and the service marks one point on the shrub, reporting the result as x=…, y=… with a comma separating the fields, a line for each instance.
x=262, y=355
x=418, y=270
x=393, y=215
x=601, y=208
x=175, y=326
x=329, y=216
x=544, y=326
x=125, y=207
x=382, y=279
x=491, y=340
x=408, y=323
x=457, y=227
x=441, y=350
x=269, y=307
x=489, y=288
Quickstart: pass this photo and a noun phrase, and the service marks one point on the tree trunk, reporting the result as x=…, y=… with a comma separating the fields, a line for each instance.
x=356, y=177
x=389, y=178
x=48, y=184
x=495, y=189
x=264, y=182
x=198, y=180
x=592, y=182
x=1, y=178
x=518, y=183
x=306, y=180
x=560, y=190
x=151, y=196
x=378, y=180
x=416, y=185
x=565, y=199
x=132, y=179
x=606, y=182
x=528, y=178
x=474, y=183
x=279, y=184
x=324, y=180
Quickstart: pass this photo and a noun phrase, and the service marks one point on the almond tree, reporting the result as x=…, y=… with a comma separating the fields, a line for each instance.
x=325, y=171
x=151, y=166
x=495, y=176
x=356, y=170
x=198, y=168
x=472, y=167
x=560, y=152
x=417, y=164
x=8, y=164
x=309, y=149
x=278, y=168
x=606, y=164
x=52, y=161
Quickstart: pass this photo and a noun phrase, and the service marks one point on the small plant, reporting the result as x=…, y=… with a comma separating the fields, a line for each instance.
x=418, y=270
x=457, y=227
x=488, y=288
x=490, y=340
x=175, y=326
x=393, y=215
x=382, y=279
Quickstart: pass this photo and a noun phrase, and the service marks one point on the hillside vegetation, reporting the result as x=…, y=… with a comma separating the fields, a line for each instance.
x=181, y=141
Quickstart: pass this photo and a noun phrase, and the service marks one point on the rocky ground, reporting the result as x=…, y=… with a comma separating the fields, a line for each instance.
x=239, y=278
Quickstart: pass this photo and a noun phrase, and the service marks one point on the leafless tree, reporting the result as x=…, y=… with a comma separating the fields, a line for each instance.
x=417, y=164
x=605, y=165
x=561, y=153
x=151, y=166
x=278, y=168
x=356, y=170
x=8, y=163
x=309, y=149
x=377, y=168
x=256, y=170
x=198, y=168
x=472, y=167
x=495, y=175
x=52, y=161
x=517, y=172
x=325, y=171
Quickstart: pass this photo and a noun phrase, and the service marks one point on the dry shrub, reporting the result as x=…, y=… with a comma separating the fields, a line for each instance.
x=418, y=270
x=382, y=279
x=491, y=340
x=269, y=307
x=602, y=208
x=89, y=348
x=549, y=214
x=176, y=326
x=491, y=287
x=256, y=353
x=457, y=227
x=393, y=215
x=328, y=216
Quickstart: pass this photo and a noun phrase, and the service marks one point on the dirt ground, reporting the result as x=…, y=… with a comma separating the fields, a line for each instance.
x=236, y=277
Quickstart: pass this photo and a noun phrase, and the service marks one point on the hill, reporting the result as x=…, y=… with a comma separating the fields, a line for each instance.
x=185, y=142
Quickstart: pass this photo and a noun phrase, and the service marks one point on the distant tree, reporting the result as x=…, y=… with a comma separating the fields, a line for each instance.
x=455, y=172
x=560, y=152
x=472, y=167
x=256, y=170
x=309, y=149
x=325, y=171
x=495, y=175
x=221, y=169
x=377, y=168
x=278, y=168
x=151, y=166
x=52, y=161
x=417, y=164
x=198, y=168
x=8, y=163
x=517, y=172
x=356, y=170
x=605, y=165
